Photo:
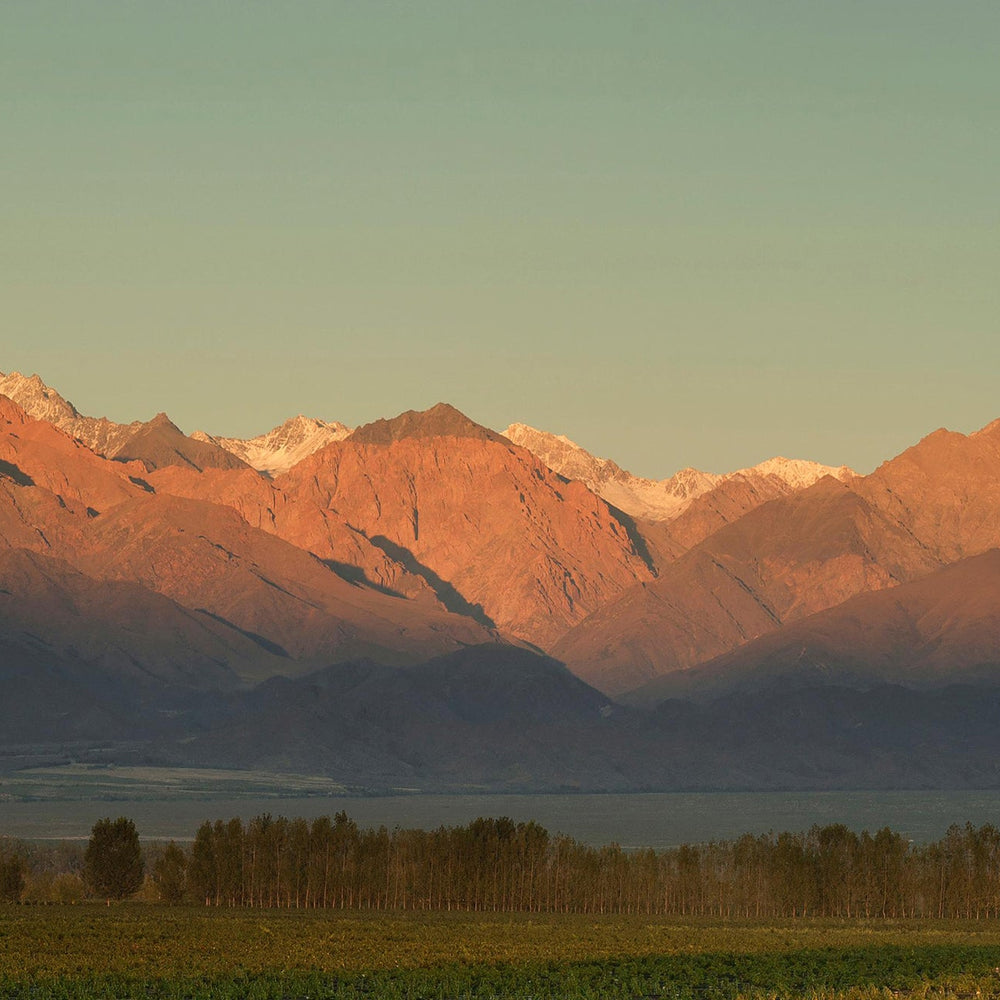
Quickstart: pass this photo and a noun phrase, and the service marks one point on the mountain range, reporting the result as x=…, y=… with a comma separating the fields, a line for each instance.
x=426, y=602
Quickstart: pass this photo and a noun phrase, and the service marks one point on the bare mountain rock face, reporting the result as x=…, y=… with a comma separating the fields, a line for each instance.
x=301, y=522
x=36, y=453
x=159, y=443
x=59, y=499
x=726, y=502
x=440, y=421
x=647, y=499
x=494, y=531
x=204, y=556
x=937, y=502
x=357, y=604
x=944, y=491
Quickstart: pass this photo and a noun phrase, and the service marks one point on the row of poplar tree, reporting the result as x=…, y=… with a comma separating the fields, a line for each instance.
x=497, y=864
x=500, y=865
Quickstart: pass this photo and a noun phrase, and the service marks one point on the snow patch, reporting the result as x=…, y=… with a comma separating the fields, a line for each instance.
x=282, y=447
x=651, y=499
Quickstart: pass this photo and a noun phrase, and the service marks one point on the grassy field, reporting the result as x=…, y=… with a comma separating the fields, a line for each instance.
x=94, y=782
x=135, y=950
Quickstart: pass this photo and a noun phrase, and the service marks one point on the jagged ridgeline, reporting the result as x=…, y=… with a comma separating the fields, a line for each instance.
x=426, y=603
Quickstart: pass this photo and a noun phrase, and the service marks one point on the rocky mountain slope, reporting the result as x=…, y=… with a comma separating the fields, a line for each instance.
x=939, y=630
x=43, y=403
x=102, y=519
x=784, y=560
x=493, y=531
x=154, y=443
x=797, y=555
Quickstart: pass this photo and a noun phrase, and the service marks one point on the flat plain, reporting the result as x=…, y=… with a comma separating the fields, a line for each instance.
x=140, y=950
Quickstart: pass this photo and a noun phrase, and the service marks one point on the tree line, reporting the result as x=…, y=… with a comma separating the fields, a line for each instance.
x=500, y=865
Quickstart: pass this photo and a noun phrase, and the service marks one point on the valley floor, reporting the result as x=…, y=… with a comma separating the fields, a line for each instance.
x=139, y=950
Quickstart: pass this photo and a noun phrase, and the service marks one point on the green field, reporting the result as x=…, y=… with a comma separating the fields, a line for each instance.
x=104, y=782
x=136, y=950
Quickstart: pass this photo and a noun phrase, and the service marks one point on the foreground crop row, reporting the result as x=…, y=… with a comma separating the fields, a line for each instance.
x=135, y=950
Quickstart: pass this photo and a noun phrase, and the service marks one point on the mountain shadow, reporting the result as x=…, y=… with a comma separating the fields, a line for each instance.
x=444, y=591
x=266, y=644
x=11, y=471
x=635, y=537
x=357, y=576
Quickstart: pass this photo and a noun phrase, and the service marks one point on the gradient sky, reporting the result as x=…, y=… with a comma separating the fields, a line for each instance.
x=681, y=233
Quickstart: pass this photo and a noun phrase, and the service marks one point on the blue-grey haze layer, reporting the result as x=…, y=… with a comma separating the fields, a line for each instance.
x=656, y=820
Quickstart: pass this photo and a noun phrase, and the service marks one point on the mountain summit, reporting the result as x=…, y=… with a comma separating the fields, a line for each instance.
x=43, y=403
x=441, y=420
x=490, y=527
x=279, y=449
x=155, y=443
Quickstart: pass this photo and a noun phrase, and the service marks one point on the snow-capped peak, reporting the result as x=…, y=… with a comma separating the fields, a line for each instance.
x=282, y=447
x=798, y=473
x=42, y=402
x=658, y=500
x=646, y=498
x=36, y=398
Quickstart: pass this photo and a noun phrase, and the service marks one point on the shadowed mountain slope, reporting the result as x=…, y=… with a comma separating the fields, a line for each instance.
x=118, y=629
x=505, y=720
x=941, y=629
x=160, y=442
x=497, y=717
x=784, y=560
